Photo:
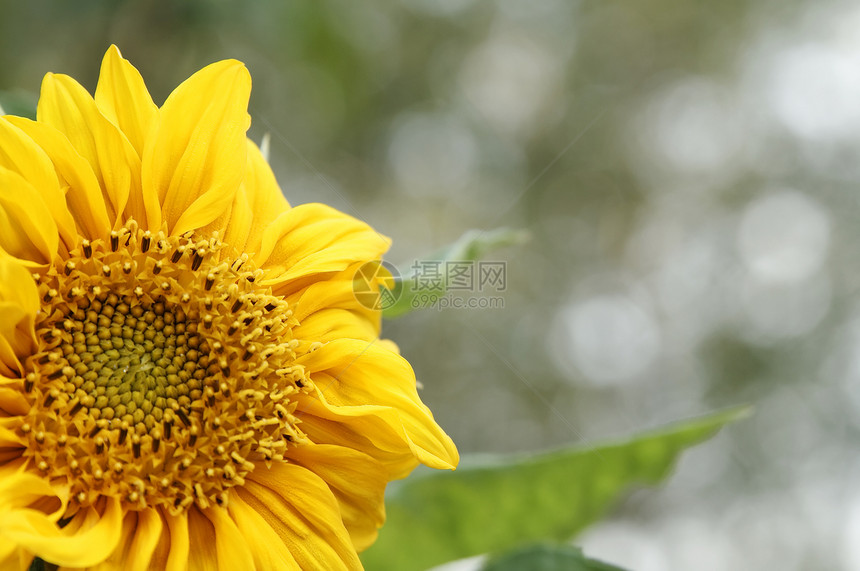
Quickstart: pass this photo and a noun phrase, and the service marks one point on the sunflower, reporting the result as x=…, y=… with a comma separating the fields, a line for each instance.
x=187, y=380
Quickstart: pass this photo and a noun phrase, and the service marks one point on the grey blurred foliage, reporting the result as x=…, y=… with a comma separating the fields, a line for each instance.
x=687, y=171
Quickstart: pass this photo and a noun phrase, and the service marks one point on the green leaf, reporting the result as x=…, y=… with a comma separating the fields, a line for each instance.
x=19, y=103
x=470, y=247
x=475, y=244
x=491, y=505
x=547, y=557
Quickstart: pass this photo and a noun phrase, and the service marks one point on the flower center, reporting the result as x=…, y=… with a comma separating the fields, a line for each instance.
x=163, y=371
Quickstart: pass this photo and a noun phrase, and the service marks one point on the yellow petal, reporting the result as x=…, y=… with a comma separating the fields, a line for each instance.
x=338, y=291
x=357, y=481
x=74, y=545
x=361, y=428
x=304, y=513
x=122, y=97
x=13, y=402
x=230, y=546
x=161, y=553
x=83, y=193
x=9, y=558
x=14, y=325
x=11, y=455
x=332, y=324
x=10, y=365
x=194, y=161
x=20, y=489
x=266, y=546
x=121, y=554
x=180, y=543
x=201, y=538
x=19, y=153
x=27, y=231
x=257, y=203
x=265, y=198
x=67, y=106
x=348, y=373
x=146, y=535
x=315, y=239
x=234, y=224
x=328, y=310
x=87, y=546
x=19, y=303
x=17, y=286
x=10, y=439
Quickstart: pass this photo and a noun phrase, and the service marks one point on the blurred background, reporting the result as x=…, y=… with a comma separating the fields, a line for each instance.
x=688, y=172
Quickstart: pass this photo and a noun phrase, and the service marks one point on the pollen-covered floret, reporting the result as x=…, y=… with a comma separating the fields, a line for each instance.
x=163, y=371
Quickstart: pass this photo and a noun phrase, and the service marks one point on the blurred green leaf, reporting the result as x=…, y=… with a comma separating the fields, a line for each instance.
x=475, y=244
x=19, y=103
x=471, y=246
x=494, y=504
x=546, y=557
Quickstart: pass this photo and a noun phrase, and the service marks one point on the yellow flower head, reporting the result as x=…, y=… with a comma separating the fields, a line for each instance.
x=186, y=378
